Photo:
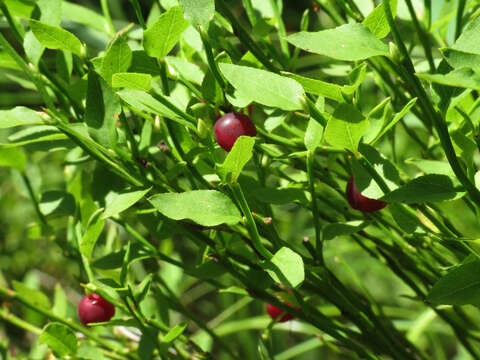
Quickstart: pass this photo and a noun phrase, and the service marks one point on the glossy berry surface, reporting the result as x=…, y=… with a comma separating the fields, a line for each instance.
x=275, y=312
x=230, y=127
x=360, y=202
x=93, y=308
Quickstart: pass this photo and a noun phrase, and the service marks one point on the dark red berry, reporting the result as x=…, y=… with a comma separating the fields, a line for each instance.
x=360, y=202
x=275, y=312
x=230, y=127
x=93, y=308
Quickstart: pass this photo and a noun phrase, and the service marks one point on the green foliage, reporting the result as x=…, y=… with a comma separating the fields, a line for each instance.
x=111, y=180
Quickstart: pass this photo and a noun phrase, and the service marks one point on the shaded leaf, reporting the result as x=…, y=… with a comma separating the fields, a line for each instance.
x=60, y=339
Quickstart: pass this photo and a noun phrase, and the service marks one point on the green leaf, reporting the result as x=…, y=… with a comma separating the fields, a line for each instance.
x=468, y=40
x=459, y=59
x=144, y=102
x=286, y=267
x=53, y=37
x=406, y=218
x=117, y=59
x=398, y=116
x=35, y=297
x=350, y=42
x=460, y=286
x=332, y=230
x=462, y=77
x=174, y=332
x=14, y=158
x=346, y=127
x=135, y=81
x=101, y=111
x=377, y=117
x=123, y=201
x=318, y=87
x=313, y=135
x=19, y=116
x=94, y=229
x=198, y=12
x=142, y=63
x=160, y=38
x=187, y=70
x=89, y=352
x=432, y=166
x=264, y=87
x=60, y=339
x=425, y=189
x=204, y=207
x=237, y=158
x=364, y=181
x=83, y=15
x=377, y=21
x=60, y=302
x=57, y=202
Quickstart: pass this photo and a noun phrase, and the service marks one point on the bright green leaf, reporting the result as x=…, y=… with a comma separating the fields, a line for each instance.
x=12, y=157
x=160, y=38
x=264, y=87
x=117, y=59
x=461, y=77
x=318, y=87
x=468, y=40
x=346, y=127
x=286, y=267
x=94, y=229
x=237, y=158
x=123, y=201
x=19, y=116
x=134, y=81
x=350, y=42
x=198, y=12
x=60, y=339
x=174, y=332
x=53, y=37
x=57, y=202
x=204, y=207
x=377, y=21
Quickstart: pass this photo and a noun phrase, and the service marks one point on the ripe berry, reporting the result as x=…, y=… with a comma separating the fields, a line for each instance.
x=360, y=202
x=275, y=312
x=94, y=308
x=230, y=127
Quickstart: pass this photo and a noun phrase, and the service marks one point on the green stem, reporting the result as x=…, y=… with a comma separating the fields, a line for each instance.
x=458, y=20
x=211, y=60
x=252, y=227
x=138, y=12
x=281, y=28
x=422, y=36
x=315, y=210
x=243, y=35
x=106, y=13
x=33, y=197
x=433, y=115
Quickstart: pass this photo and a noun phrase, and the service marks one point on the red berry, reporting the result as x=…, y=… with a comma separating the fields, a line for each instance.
x=275, y=312
x=230, y=127
x=360, y=202
x=94, y=308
